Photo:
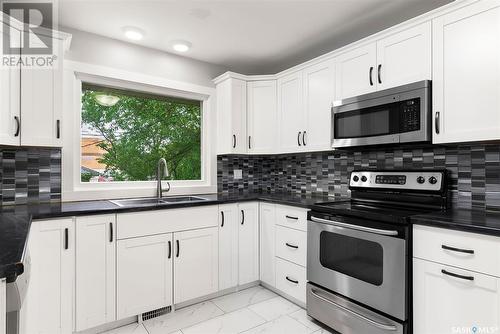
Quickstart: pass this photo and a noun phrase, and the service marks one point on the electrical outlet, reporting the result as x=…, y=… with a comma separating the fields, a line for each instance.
x=238, y=174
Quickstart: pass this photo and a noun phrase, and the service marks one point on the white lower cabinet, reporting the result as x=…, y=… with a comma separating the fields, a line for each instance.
x=95, y=274
x=291, y=279
x=228, y=246
x=196, y=264
x=48, y=304
x=144, y=274
x=267, y=251
x=248, y=243
x=443, y=303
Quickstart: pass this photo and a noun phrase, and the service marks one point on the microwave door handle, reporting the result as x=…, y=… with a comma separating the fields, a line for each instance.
x=356, y=314
x=355, y=227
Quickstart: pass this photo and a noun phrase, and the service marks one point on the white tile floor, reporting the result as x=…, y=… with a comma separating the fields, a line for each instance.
x=251, y=311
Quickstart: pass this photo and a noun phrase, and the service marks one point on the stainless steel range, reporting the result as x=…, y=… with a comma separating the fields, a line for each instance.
x=359, y=251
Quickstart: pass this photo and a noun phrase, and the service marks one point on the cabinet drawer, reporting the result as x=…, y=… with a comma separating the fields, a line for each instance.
x=291, y=245
x=291, y=279
x=138, y=224
x=466, y=250
x=291, y=217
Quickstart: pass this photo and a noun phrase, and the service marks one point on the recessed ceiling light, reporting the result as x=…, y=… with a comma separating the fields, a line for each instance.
x=133, y=33
x=106, y=100
x=181, y=46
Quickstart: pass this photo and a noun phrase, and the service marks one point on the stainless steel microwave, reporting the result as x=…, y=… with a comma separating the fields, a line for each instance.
x=396, y=115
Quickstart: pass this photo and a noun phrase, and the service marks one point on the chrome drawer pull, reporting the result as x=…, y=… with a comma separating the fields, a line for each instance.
x=292, y=280
x=290, y=217
x=356, y=314
x=355, y=227
x=460, y=250
x=291, y=246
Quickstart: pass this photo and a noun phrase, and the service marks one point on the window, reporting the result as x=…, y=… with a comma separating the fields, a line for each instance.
x=124, y=133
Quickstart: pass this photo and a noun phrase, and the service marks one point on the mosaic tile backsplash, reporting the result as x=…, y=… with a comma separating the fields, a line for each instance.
x=29, y=175
x=474, y=171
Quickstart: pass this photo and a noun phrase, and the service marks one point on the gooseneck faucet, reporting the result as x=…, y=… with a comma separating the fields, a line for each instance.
x=162, y=169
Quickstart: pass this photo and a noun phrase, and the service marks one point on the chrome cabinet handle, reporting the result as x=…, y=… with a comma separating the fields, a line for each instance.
x=66, y=238
x=234, y=141
x=298, y=138
x=169, y=249
x=467, y=278
x=291, y=280
x=356, y=314
x=242, y=217
x=249, y=142
x=58, y=131
x=18, y=126
x=371, y=75
x=178, y=248
x=436, y=121
x=355, y=227
x=304, y=138
x=110, y=232
x=222, y=215
x=460, y=250
x=291, y=246
x=378, y=73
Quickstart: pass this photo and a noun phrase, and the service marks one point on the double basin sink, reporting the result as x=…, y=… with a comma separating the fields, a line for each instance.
x=140, y=202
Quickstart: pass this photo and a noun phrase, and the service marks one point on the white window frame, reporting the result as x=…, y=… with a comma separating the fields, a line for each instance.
x=73, y=189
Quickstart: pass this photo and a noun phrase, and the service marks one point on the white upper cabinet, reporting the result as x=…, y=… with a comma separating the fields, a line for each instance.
x=355, y=72
x=10, y=80
x=404, y=57
x=248, y=244
x=228, y=246
x=262, y=116
x=95, y=271
x=466, y=74
x=291, y=113
x=231, y=116
x=319, y=91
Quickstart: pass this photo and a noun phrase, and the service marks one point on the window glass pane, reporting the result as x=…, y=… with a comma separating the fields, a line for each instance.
x=125, y=133
x=358, y=258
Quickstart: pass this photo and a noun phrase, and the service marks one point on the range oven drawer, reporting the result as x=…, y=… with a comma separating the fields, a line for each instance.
x=345, y=316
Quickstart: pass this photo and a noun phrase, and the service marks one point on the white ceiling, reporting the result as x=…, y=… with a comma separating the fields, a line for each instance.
x=247, y=36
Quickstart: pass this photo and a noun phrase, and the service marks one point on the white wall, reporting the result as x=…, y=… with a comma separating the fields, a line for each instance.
x=99, y=50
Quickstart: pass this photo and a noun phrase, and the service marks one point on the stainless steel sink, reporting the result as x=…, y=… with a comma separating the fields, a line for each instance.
x=181, y=199
x=138, y=202
x=141, y=202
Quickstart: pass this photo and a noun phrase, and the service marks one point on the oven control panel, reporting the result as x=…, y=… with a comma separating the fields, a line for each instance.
x=404, y=180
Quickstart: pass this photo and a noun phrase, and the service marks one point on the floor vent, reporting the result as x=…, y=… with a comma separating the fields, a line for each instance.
x=156, y=313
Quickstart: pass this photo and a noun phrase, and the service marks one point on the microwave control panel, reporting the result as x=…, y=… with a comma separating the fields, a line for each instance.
x=410, y=115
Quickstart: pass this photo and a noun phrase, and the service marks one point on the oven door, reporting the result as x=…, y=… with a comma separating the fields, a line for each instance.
x=361, y=263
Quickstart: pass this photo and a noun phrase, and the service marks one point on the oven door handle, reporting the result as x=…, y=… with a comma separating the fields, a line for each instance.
x=356, y=314
x=355, y=227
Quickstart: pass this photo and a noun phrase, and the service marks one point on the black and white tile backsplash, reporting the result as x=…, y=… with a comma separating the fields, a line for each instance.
x=474, y=171
x=29, y=175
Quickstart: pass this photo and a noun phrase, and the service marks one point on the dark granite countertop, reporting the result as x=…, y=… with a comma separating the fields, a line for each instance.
x=15, y=221
x=476, y=221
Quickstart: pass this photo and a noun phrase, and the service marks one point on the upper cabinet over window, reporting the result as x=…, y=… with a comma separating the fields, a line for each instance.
x=400, y=58
x=466, y=74
x=31, y=93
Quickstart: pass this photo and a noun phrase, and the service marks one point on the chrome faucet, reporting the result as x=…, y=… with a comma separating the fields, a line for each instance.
x=159, y=191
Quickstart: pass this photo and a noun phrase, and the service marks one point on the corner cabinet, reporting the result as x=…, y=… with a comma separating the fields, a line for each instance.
x=48, y=303
x=262, y=117
x=31, y=98
x=466, y=74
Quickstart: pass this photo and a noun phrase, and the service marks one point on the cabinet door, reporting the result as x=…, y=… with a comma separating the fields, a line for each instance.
x=228, y=246
x=41, y=103
x=95, y=271
x=267, y=251
x=291, y=112
x=319, y=81
x=48, y=305
x=144, y=274
x=9, y=95
x=404, y=57
x=466, y=74
x=445, y=304
x=248, y=250
x=262, y=116
x=195, y=264
x=355, y=72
